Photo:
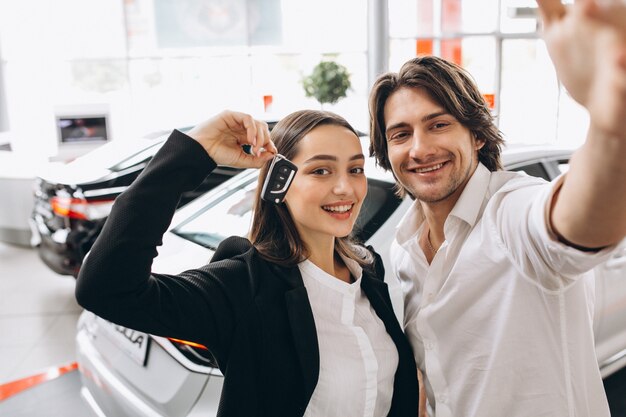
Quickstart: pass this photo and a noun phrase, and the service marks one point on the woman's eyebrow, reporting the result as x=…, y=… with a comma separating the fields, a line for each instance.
x=332, y=158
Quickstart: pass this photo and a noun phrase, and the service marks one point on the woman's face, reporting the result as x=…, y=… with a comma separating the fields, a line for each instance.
x=326, y=194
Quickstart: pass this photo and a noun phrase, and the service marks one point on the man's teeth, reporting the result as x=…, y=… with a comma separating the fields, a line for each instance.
x=432, y=168
x=338, y=209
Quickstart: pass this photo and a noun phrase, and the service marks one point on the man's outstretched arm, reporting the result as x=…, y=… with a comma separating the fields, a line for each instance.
x=587, y=44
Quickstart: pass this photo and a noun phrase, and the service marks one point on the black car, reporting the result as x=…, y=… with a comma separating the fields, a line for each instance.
x=72, y=201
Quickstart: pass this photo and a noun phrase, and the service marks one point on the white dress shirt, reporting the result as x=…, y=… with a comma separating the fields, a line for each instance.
x=501, y=320
x=358, y=359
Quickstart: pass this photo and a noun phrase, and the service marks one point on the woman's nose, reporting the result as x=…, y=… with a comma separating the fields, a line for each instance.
x=342, y=185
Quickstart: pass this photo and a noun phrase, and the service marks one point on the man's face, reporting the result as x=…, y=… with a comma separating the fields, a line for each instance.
x=431, y=154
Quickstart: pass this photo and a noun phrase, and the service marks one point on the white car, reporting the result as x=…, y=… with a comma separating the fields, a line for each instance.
x=128, y=373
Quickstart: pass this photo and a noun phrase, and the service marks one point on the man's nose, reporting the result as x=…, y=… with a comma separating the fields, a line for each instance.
x=420, y=146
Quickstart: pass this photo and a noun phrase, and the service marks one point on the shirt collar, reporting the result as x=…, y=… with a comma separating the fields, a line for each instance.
x=469, y=204
x=467, y=208
x=309, y=269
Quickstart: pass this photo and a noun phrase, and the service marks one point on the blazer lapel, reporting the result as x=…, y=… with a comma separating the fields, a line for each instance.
x=302, y=327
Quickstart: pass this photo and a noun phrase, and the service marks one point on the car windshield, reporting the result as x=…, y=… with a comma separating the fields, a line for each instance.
x=229, y=213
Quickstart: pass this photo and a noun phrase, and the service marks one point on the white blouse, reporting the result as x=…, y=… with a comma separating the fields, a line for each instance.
x=358, y=359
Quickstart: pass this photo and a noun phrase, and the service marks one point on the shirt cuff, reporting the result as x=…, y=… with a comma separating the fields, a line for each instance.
x=552, y=232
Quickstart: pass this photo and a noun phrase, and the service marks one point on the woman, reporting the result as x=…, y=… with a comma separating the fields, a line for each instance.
x=298, y=317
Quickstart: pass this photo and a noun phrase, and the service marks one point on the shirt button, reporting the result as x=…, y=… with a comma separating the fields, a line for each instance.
x=428, y=345
x=443, y=398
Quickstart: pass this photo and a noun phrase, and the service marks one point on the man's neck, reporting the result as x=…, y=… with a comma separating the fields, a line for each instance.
x=436, y=213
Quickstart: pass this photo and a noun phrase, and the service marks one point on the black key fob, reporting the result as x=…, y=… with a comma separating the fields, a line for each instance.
x=279, y=178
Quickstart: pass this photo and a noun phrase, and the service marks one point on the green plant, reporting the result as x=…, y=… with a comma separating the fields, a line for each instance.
x=328, y=83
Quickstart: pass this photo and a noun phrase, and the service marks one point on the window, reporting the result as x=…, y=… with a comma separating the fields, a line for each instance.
x=229, y=213
x=529, y=93
x=380, y=203
x=535, y=170
x=156, y=73
x=498, y=42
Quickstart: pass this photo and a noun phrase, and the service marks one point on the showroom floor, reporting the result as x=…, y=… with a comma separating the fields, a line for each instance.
x=38, y=315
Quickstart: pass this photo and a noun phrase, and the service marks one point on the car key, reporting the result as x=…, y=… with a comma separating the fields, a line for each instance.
x=279, y=178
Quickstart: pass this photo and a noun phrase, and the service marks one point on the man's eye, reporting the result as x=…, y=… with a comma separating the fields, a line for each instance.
x=358, y=170
x=441, y=125
x=398, y=136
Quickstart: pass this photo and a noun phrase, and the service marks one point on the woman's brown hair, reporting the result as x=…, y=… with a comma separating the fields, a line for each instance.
x=273, y=231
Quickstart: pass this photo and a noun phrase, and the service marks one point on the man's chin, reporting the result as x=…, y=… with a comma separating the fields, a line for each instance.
x=433, y=197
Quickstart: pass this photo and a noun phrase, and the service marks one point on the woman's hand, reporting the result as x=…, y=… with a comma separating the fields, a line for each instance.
x=223, y=136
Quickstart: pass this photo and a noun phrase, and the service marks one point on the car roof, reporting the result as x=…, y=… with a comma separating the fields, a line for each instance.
x=519, y=153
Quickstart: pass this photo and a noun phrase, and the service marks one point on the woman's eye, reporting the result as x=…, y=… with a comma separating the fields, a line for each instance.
x=320, y=171
x=358, y=170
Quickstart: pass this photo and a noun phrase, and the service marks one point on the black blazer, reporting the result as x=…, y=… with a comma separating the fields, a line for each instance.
x=253, y=315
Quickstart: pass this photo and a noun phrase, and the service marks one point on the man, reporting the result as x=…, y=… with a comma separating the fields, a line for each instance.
x=494, y=264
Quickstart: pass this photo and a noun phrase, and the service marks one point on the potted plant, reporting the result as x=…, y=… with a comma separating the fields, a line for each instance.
x=328, y=83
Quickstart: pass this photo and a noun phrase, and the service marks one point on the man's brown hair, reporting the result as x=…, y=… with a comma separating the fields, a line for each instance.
x=452, y=88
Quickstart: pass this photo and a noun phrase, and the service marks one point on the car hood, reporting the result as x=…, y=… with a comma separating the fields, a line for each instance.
x=97, y=164
x=60, y=173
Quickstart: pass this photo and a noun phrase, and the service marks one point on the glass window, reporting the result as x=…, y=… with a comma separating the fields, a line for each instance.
x=428, y=18
x=469, y=16
x=572, y=122
x=529, y=94
x=498, y=42
x=178, y=91
x=518, y=16
x=380, y=203
x=535, y=170
x=230, y=213
x=477, y=54
x=479, y=58
x=405, y=21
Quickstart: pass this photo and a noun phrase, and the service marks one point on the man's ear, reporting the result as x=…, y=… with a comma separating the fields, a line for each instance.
x=478, y=143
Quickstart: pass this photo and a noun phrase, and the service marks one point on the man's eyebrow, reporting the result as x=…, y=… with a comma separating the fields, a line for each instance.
x=434, y=115
x=423, y=120
x=332, y=158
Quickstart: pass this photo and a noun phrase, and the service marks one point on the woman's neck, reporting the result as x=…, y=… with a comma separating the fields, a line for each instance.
x=329, y=261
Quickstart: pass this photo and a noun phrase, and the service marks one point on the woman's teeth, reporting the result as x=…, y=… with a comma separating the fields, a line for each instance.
x=432, y=168
x=338, y=209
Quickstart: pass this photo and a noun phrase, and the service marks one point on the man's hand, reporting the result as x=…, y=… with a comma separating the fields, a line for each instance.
x=587, y=43
x=223, y=136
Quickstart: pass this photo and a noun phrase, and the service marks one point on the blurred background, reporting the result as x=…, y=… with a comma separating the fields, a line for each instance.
x=139, y=66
